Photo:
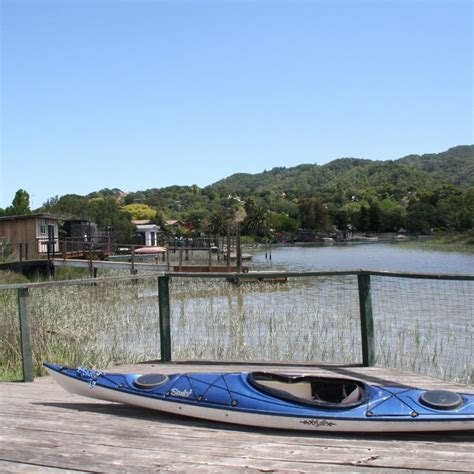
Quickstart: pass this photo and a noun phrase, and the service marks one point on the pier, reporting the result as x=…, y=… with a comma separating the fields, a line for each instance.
x=44, y=428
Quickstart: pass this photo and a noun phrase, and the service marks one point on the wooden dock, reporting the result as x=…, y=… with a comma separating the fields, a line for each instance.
x=45, y=429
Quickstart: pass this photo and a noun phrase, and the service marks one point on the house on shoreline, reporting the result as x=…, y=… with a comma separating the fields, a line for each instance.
x=146, y=233
x=30, y=235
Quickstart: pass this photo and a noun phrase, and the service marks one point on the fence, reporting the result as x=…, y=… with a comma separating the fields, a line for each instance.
x=420, y=322
x=175, y=254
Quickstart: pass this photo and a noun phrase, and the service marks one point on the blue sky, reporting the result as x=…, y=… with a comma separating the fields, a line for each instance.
x=141, y=94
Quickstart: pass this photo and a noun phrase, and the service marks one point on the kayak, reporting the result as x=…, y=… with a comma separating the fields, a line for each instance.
x=274, y=400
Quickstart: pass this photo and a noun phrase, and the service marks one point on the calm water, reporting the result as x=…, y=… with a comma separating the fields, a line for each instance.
x=417, y=322
x=423, y=326
x=389, y=257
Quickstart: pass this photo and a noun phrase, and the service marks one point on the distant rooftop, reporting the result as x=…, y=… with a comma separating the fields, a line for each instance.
x=141, y=222
x=30, y=216
x=147, y=226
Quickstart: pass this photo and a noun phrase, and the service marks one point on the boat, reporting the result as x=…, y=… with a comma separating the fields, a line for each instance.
x=150, y=250
x=274, y=400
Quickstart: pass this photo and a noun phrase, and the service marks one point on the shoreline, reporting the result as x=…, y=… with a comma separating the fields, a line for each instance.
x=460, y=243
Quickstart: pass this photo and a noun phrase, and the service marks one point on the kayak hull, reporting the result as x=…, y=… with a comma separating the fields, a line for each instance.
x=246, y=406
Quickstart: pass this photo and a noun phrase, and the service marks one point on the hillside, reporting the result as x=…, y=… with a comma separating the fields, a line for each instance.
x=455, y=166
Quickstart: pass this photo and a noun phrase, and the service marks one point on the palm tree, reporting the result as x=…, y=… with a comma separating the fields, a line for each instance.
x=256, y=222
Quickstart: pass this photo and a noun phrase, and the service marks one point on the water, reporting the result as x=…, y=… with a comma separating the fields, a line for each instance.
x=418, y=323
x=383, y=257
x=423, y=326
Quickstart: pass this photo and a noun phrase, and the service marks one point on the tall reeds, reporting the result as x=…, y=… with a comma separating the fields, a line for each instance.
x=304, y=319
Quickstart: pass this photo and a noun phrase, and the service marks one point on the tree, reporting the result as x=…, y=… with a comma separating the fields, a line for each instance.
x=139, y=211
x=375, y=217
x=314, y=215
x=456, y=212
x=69, y=205
x=282, y=222
x=217, y=221
x=419, y=217
x=20, y=204
x=391, y=215
x=256, y=222
x=363, y=221
x=106, y=212
x=195, y=218
x=352, y=212
x=340, y=218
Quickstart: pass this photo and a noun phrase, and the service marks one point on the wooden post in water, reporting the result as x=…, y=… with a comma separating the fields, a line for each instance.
x=165, y=326
x=238, y=249
x=25, y=338
x=229, y=243
x=366, y=319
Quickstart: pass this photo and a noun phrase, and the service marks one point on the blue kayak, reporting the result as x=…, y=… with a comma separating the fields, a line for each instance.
x=274, y=400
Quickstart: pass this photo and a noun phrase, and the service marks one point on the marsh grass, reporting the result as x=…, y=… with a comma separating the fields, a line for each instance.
x=444, y=242
x=98, y=326
x=10, y=356
x=262, y=321
x=425, y=327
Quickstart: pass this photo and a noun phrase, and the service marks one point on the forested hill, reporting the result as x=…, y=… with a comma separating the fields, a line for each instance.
x=454, y=166
x=418, y=193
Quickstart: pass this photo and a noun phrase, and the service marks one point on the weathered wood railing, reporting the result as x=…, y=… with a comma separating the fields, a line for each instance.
x=364, y=291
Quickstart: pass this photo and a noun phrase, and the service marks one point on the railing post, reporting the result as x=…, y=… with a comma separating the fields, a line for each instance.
x=25, y=338
x=165, y=326
x=132, y=266
x=366, y=319
x=238, y=249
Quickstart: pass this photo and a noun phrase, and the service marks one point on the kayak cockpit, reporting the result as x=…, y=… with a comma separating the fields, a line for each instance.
x=325, y=392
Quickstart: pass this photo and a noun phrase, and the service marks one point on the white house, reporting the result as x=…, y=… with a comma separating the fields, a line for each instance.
x=148, y=234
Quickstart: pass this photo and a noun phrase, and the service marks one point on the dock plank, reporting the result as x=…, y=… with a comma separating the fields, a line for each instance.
x=45, y=429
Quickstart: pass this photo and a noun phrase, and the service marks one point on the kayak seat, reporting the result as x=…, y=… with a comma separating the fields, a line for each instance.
x=353, y=397
x=301, y=389
x=311, y=390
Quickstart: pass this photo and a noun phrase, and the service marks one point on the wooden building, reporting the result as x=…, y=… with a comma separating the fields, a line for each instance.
x=81, y=230
x=30, y=234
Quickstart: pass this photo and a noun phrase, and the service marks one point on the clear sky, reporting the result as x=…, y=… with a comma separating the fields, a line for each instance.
x=141, y=94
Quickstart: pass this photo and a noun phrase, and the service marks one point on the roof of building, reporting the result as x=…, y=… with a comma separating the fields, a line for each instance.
x=30, y=216
x=141, y=222
x=148, y=227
